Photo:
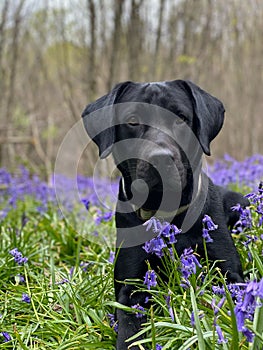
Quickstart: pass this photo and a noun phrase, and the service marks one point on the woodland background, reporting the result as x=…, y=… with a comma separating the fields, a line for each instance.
x=56, y=56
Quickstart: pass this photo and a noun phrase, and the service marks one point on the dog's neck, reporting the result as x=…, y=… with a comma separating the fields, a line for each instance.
x=145, y=214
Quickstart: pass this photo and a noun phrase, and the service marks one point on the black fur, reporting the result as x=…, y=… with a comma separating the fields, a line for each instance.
x=204, y=115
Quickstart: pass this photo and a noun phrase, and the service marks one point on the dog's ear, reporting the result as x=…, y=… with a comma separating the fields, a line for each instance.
x=209, y=115
x=98, y=119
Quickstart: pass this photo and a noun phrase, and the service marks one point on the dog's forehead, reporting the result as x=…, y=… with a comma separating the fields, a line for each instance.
x=163, y=94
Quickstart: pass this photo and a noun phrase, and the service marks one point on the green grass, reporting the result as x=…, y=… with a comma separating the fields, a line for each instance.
x=73, y=315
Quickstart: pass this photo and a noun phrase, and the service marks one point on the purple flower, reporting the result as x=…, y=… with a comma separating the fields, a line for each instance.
x=7, y=336
x=155, y=245
x=208, y=225
x=18, y=257
x=153, y=224
x=140, y=309
x=158, y=347
x=192, y=318
x=86, y=203
x=208, y=222
x=103, y=217
x=221, y=338
x=150, y=279
x=245, y=219
x=85, y=265
x=218, y=290
x=218, y=306
x=166, y=236
x=112, y=257
x=170, y=309
x=113, y=322
x=248, y=334
x=246, y=305
x=188, y=263
x=20, y=278
x=63, y=281
x=26, y=298
x=207, y=236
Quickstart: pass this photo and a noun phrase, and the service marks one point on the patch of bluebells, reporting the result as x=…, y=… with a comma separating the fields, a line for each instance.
x=228, y=171
x=16, y=187
x=246, y=297
x=18, y=256
x=165, y=236
x=250, y=217
x=245, y=219
x=256, y=199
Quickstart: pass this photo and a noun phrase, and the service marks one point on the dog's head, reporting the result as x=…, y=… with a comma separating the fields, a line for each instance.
x=156, y=131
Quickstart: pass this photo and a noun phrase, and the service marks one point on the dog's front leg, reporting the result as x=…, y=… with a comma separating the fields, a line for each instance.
x=223, y=249
x=130, y=264
x=129, y=324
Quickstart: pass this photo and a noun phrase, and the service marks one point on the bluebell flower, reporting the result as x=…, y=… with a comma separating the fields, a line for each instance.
x=63, y=281
x=140, y=309
x=189, y=263
x=158, y=347
x=103, y=217
x=170, y=309
x=113, y=322
x=20, y=279
x=155, y=245
x=192, y=317
x=6, y=336
x=248, y=334
x=218, y=290
x=112, y=257
x=150, y=279
x=208, y=222
x=84, y=266
x=245, y=218
x=165, y=236
x=207, y=236
x=86, y=203
x=153, y=224
x=18, y=256
x=246, y=304
x=208, y=225
x=26, y=298
x=217, y=307
x=221, y=338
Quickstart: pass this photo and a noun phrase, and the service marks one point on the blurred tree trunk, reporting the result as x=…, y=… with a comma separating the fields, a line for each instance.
x=158, y=37
x=116, y=43
x=134, y=40
x=2, y=71
x=92, y=85
x=12, y=78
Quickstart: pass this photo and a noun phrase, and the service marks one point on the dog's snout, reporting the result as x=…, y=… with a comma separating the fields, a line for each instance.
x=162, y=160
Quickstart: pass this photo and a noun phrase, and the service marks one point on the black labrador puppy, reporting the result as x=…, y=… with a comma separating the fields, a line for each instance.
x=157, y=133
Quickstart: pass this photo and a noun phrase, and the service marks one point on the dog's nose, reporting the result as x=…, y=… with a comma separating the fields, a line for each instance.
x=161, y=160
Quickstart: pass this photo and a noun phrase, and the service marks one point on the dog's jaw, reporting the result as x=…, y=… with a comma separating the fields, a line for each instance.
x=145, y=213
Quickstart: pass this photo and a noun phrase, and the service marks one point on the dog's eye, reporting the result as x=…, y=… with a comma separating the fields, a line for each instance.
x=180, y=119
x=132, y=121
